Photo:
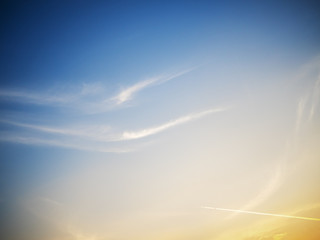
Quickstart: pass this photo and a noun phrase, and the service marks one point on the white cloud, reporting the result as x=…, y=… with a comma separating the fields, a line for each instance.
x=129, y=135
x=35, y=98
x=92, y=133
x=97, y=133
x=89, y=98
x=128, y=93
x=315, y=98
x=305, y=110
x=63, y=144
x=300, y=113
x=271, y=187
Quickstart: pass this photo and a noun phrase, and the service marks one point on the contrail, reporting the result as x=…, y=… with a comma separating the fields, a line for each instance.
x=265, y=214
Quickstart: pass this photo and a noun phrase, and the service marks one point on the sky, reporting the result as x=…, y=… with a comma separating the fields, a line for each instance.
x=169, y=120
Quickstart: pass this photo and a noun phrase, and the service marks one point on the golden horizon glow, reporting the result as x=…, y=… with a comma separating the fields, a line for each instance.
x=263, y=213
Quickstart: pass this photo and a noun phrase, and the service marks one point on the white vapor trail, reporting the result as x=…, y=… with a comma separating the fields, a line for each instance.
x=262, y=213
x=150, y=131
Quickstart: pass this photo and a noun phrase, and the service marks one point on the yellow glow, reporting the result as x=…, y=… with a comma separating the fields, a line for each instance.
x=265, y=214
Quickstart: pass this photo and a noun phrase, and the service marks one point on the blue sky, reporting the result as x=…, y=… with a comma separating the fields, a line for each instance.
x=117, y=114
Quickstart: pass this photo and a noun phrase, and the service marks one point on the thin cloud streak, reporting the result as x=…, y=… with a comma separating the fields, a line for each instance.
x=35, y=98
x=128, y=93
x=130, y=135
x=315, y=99
x=96, y=133
x=300, y=113
x=262, y=213
x=88, y=137
x=98, y=103
x=45, y=142
x=51, y=97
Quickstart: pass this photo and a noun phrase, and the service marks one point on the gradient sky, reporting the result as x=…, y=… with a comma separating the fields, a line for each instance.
x=124, y=119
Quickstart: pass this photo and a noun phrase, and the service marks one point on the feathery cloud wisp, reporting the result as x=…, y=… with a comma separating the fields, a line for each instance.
x=129, y=135
x=35, y=98
x=273, y=184
x=96, y=133
x=315, y=98
x=88, y=137
x=128, y=93
x=55, y=143
x=90, y=98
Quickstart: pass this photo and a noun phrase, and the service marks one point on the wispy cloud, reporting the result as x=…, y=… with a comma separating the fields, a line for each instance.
x=37, y=141
x=72, y=137
x=305, y=110
x=73, y=97
x=300, y=113
x=34, y=98
x=93, y=132
x=272, y=185
x=308, y=104
x=307, y=107
x=91, y=137
x=128, y=93
x=315, y=99
x=281, y=170
x=89, y=98
x=129, y=135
